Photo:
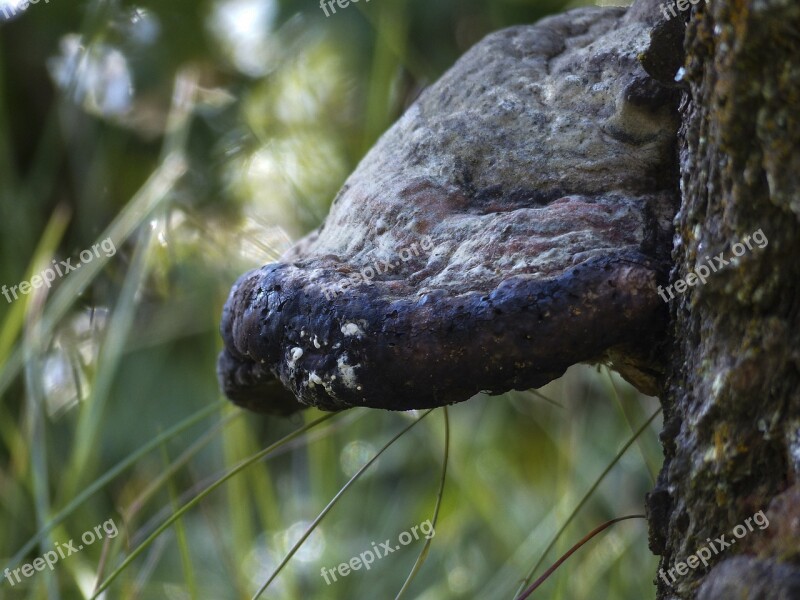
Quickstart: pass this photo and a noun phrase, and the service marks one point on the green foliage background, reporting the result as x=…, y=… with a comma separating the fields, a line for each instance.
x=204, y=138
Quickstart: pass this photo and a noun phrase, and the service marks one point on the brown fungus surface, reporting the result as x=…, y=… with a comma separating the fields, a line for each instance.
x=515, y=221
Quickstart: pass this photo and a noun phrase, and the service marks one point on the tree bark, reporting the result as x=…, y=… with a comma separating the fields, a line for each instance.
x=732, y=400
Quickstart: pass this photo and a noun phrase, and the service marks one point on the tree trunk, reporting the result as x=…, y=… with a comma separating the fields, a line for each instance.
x=732, y=401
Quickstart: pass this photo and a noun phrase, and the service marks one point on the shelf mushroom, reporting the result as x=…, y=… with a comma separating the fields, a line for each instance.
x=536, y=181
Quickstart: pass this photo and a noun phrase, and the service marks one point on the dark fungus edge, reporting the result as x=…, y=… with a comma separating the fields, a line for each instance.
x=365, y=349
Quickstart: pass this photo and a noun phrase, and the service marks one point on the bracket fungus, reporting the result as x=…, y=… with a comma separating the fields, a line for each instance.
x=515, y=221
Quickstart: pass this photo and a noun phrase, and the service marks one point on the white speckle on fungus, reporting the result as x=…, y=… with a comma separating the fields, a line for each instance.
x=295, y=355
x=347, y=372
x=349, y=329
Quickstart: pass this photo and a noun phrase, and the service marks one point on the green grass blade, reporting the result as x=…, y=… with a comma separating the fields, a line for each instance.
x=586, y=496
x=111, y=352
x=333, y=502
x=526, y=593
x=180, y=535
x=155, y=189
x=130, y=513
x=652, y=470
x=424, y=553
x=109, y=475
x=49, y=241
x=37, y=434
x=194, y=501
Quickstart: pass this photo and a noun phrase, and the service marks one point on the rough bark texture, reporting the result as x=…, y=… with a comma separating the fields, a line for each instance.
x=732, y=407
x=515, y=221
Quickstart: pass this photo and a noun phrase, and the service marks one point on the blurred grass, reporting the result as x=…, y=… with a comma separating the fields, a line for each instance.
x=203, y=150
